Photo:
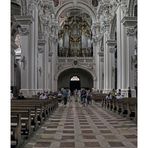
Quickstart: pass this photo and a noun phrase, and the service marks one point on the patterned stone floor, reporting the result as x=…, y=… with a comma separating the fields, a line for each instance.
x=75, y=126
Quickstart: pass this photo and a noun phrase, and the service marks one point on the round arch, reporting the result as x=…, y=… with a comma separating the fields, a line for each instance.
x=64, y=78
x=80, y=5
x=77, y=67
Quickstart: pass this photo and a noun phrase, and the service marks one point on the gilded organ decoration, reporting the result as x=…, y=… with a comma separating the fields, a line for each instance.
x=75, y=38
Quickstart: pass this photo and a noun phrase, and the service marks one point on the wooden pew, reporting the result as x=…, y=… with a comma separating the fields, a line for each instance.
x=132, y=107
x=32, y=113
x=16, y=130
x=98, y=97
x=127, y=107
x=25, y=121
x=41, y=105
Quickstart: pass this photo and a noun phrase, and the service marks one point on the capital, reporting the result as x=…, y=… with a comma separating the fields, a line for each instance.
x=112, y=49
x=131, y=31
x=24, y=30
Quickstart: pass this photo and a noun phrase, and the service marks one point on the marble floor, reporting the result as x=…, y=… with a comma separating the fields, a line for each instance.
x=75, y=126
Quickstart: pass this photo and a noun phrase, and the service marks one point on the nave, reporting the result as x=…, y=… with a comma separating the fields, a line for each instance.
x=76, y=126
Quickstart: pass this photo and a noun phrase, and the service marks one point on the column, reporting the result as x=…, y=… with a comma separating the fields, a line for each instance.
x=45, y=61
x=96, y=49
x=54, y=45
x=34, y=67
x=119, y=49
x=96, y=56
x=41, y=50
x=101, y=71
x=107, y=61
x=53, y=62
x=129, y=24
x=25, y=23
x=111, y=47
x=12, y=67
x=50, y=72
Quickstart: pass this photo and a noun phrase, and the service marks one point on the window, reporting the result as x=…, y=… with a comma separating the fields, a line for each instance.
x=75, y=78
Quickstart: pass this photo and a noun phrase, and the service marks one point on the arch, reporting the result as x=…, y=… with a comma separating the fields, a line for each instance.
x=85, y=78
x=78, y=67
x=80, y=5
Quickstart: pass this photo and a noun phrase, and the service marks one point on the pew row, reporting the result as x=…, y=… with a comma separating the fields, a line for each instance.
x=98, y=97
x=26, y=116
x=127, y=107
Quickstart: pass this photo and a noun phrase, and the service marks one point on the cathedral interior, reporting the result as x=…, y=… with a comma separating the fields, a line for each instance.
x=74, y=45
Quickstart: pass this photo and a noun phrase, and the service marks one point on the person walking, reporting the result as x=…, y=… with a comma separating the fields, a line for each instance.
x=84, y=95
x=89, y=100
x=65, y=95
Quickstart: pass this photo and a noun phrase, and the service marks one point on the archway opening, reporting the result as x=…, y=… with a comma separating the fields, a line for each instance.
x=75, y=83
x=75, y=78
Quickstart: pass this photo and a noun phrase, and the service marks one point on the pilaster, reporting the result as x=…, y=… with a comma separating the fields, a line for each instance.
x=111, y=47
x=101, y=70
x=129, y=24
x=41, y=63
x=25, y=33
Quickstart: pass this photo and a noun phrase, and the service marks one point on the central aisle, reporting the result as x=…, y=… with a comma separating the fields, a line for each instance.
x=75, y=126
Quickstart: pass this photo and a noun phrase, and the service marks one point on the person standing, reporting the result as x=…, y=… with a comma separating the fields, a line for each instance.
x=129, y=92
x=65, y=95
x=84, y=95
x=89, y=99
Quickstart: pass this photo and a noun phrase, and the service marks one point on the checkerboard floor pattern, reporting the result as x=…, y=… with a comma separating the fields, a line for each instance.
x=75, y=126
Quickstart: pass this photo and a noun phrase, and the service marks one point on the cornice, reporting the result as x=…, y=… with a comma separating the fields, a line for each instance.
x=111, y=43
x=24, y=20
x=129, y=21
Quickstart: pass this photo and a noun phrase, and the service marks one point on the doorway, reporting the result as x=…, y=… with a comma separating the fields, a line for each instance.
x=75, y=83
x=75, y=78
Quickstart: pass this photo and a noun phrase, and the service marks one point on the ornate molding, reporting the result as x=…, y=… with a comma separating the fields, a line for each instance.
x=131, y=31
x=41, y=44
x=50, y=54
x=101, y=54
x=111, y=43
x=129, y=21
x=23, y=20
x=112, y=50
x=31, y=6
x=124, y=7
x=24, y=30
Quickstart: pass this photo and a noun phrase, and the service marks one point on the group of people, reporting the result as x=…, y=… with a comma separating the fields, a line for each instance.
x=117, y=94
x=82, y=96
x=86, y=97
x=44, y=95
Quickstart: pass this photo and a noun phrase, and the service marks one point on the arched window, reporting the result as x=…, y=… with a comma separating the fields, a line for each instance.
x=75, y=78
